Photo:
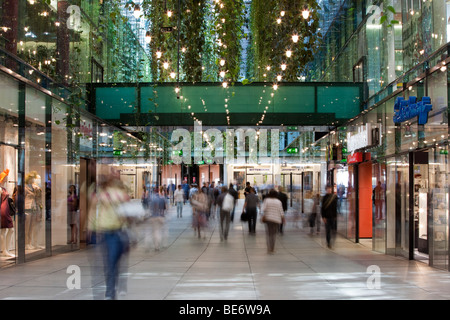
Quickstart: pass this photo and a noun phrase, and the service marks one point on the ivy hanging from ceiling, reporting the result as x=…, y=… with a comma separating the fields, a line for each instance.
x=201, y=40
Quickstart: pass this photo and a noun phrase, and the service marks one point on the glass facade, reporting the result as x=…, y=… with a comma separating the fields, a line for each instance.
x=48, y=152
x=405, y=166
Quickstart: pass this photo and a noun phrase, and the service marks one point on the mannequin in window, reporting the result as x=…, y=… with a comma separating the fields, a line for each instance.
x=7, y=226
x=33, y=210
x=72, y=211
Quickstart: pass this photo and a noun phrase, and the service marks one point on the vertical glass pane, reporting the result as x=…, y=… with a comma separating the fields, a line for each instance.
x=379, y=206
x=8, y=165
x=34, y=172
x=65, y=200
x=402, y=206
x=391, y=205
x=439, y=207
x=351, y=203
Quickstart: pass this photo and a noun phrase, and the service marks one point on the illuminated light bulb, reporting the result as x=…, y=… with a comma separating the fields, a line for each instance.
x=158, y=54
x=166, y=65
x=222, y=62
x=279, y=77
x=137, y=11
x=177, y=90
x=282, y=13
x=275, y=87
x=295, y=38
x=443, y=68
x=169, y=13
x=305, y=14
x=148, y=37
x=173, y=75
x=31, y=2
x=225, y=84
x=183, y=49
x=288, y=53
x=222, y=74
x=283, y=66
x=279, y=21
x=268, y=68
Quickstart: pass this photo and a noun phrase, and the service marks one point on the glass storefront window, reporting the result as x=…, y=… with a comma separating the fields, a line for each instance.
x=35, y=132
x=9, y=91
x=64, y=187
x=438, y=207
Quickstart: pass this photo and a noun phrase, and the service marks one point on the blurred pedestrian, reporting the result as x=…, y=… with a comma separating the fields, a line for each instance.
x=308, y=206
x=200, y=210
x=273, y=216
x=225, y=202
x=329, y=215
x=179, y=200
x=235, y=195
x=251, y=205
x=109, y=227
x=158, y=209
x=283, y=198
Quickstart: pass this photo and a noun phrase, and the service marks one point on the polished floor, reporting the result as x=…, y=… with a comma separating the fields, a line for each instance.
x=191, y=268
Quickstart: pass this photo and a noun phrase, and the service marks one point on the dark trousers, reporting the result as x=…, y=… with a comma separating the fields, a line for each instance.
x=252, y=214
x=330, y=229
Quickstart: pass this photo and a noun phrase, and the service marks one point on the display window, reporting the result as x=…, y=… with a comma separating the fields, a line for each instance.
x=8, y=168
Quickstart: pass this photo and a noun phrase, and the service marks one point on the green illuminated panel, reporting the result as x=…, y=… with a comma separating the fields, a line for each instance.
x=291, y=104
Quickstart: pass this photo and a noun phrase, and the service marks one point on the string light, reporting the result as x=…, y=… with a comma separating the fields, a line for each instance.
x=288, y=53
x=148, y=37
x=137, y=11
x=305, y=13
x=295, y=38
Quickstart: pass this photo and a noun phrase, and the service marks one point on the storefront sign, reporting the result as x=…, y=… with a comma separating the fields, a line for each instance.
x=355, y=158
x=366, y=136
x=407, y=109
x=259, y=171
x=358, y=157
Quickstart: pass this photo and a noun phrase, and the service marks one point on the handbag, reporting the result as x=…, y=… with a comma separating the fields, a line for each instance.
x=244, y=215
x=12, y=207
x=132, y=209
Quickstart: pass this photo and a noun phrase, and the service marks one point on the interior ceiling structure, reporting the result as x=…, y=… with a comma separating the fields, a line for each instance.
x=228, y=62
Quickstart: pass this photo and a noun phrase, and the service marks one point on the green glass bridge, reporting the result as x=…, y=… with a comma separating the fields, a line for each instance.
x=299, y=104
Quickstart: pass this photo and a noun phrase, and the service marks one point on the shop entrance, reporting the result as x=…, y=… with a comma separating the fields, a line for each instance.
x=411, y=206
x=294, y=187
x=419, y=205
x=88, y=173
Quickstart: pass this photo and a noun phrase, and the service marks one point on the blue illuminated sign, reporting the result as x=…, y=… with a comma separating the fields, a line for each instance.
x=407, y=109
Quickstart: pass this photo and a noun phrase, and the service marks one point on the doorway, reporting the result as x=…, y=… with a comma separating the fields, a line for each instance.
x=88, y=179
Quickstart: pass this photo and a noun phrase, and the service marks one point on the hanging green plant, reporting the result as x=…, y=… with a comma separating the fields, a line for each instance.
x=285, y=38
